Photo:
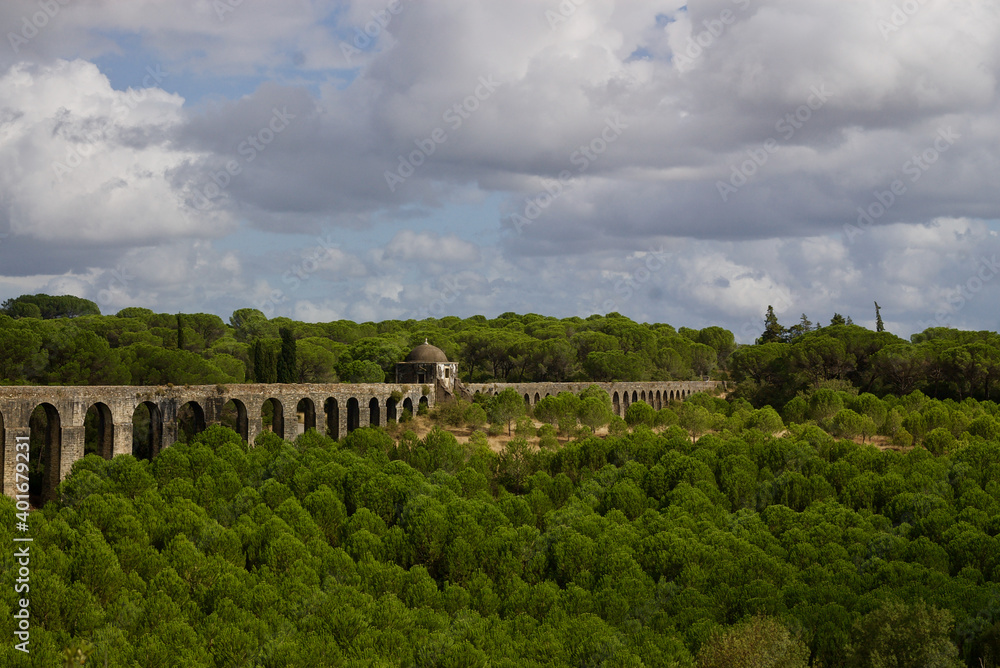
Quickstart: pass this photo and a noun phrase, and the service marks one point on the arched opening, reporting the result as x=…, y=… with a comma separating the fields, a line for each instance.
x=147, y=431
x=272, y=417
x=99, y=431
x=408, y=406
x=527, y=399
x=659, y=400
x=190, y=421
x=234, y=415
x=616, y=403
x=643, y=396
x=332, y=411
x=537, y=397
x=305, y=413
x=635, y=396
x=353, y=415
x=625, y=401
x=390, y=410
x=423, y=406
x=44, y=453
x=373, y=416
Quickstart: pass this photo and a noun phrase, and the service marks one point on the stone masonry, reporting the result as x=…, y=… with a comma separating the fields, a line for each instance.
x=334, y=409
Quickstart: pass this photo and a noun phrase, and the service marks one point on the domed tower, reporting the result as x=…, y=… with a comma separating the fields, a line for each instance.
x=427, y=365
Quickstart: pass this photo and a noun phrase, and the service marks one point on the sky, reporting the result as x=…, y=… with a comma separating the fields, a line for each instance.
x=380, y=159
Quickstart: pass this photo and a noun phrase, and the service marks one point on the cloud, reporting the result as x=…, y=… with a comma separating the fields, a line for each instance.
x=742, y=137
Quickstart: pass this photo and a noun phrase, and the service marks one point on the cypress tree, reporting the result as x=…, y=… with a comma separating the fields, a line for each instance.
x=879, y=327
x=287, y=366
x=264, y=362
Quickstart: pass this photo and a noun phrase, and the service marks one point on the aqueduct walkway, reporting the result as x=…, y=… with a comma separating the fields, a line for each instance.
x=334, y=409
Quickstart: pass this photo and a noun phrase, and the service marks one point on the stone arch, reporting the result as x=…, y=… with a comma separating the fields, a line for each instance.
x=408, y=405
x=332, y=411
x=423, y=403
x=190, y=420
x=373, y=412
x=643, y=396
x=671, y=395
x=527, y=399
x=234, y=415
x=147, y=430
x=659, y=400
x=616, y=402
x=353, y=415
x=45, y=453
x=307, y=409
x=537, y=397
x=390, y=410
x=272, y=415
x=635, y=396
x=99, y=431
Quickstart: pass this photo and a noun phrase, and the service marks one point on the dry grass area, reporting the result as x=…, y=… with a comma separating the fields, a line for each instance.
x=422, y=424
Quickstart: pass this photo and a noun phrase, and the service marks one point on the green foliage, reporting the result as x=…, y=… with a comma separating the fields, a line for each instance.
x=740, y=547
x=362, y=371
x=505, y=407
x=897, y=634
x=287, y=367
x=638, y=413
x=48, y=307
x=760, y=642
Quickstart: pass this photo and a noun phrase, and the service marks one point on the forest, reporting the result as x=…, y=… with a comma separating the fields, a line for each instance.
x=837, y=505
x=66, y=341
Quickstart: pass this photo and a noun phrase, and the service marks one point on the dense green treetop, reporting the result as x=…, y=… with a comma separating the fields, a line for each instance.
x=711, y=534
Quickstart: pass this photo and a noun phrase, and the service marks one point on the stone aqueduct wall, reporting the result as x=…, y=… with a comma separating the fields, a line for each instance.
x=334, y=409
x=657, y=394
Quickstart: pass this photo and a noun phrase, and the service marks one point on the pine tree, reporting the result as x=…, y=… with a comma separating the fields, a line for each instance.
x=879, y=327
x=804, y=326
x=773, y=331
x=837, y=319
x=287, y=366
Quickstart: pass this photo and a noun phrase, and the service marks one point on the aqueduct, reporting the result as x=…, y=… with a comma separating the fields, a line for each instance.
x=288, y=410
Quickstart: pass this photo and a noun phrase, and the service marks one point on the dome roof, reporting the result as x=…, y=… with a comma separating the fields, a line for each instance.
x=425, y=352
